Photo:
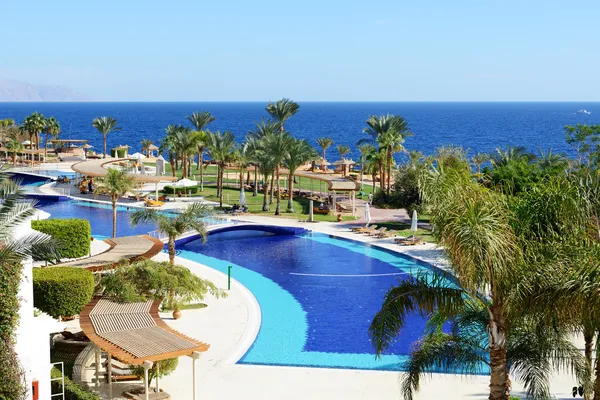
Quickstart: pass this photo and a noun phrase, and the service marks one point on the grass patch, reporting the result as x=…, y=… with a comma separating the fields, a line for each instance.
x=193, y=306
x=404, y=230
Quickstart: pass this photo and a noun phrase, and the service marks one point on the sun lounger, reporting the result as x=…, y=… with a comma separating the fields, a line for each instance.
x=362, y=229
x=409, y=241
x=376, y=231
x=387, y=234
x=153, y=203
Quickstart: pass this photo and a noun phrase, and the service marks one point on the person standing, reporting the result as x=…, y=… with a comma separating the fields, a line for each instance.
x=370, y=199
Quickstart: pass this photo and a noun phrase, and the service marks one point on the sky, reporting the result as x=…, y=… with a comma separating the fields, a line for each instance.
x=327, y=50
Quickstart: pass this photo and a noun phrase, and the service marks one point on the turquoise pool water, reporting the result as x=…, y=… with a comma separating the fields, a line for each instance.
x=317, y=295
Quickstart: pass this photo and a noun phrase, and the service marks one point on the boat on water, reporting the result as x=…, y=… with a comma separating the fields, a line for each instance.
x=584, y=112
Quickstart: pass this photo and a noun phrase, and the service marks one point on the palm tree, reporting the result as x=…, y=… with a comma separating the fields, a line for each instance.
x=263, y=129
x=168, y=144
x=221, y=147
x=190, y=218
x=477, y=160
x=266, y=165
x=14, y=147
x=533, y=348
x=282, y=110
x=105, y=125
x=343, y=150
x=473, y=225
x=389, y=132
x=185, y=144
x=503, y=157
x=298, y=152
x=52, y=128
x=277, y=146
x=33, y=125
x=115, y=184
x=324, y=143
x=364, y=150
x=146, y=143
x=200, y=120
x=549, y=161
x=375, y=161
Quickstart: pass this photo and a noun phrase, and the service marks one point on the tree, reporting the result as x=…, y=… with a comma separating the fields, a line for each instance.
x=298, y=152
x=389, y=132
x=200, y=120
x=282, y=110
x=52, y=128
x=265, y=163
x=105, y=125
x=478, y=160
x=343, y=150
x=221, y=147
x=14, y=212
x=146, y=143
x=551, y=163
x=324, y=143
x=115, y=184
x=585, y=140
x=14, y=147
x=277, y=146
x=364, y=150
x=184, y=143
x=262, y=130
x=168, y=144
x=33, y=125
x=189, y=219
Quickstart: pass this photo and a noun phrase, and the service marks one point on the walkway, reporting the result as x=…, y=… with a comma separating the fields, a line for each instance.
x=129, y=247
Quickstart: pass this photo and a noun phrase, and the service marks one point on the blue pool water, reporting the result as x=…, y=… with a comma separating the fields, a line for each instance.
x=317, y=295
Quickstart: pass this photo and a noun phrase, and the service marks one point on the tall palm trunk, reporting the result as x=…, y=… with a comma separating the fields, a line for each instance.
x=265, y=206
x=596, y=380
x=241, y=179
x=290, y=207
x=46, y=148
x=277, y=207
x=255, y=191
x=104, y=140
x=588, y=336
x=114, y=215
x=201, y=164
x=184, y=166
x=15, y=159
x=499, y=382
x=172, y=162
x=272, y=189
x=220, y=184
x=171, y=247
x=200, y=156
x=389, y=174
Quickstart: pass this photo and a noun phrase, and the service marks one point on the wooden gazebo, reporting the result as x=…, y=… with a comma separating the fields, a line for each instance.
x=134, y=333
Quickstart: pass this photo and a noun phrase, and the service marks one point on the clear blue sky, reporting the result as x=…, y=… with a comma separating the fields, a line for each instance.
x=389, y=50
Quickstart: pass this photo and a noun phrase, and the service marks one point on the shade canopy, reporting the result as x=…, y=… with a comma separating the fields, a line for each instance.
x=87, y=146
x=185, y=182
x=134, y=332
x=137, y=156
x=152, y=147
x=98, y=167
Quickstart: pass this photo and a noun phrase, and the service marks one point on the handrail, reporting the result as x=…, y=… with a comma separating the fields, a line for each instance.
x=47, y=190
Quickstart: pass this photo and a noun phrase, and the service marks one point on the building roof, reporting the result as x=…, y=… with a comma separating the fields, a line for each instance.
x=96, y=167
x=133, y=332
x=336, y=183
x=69, y=141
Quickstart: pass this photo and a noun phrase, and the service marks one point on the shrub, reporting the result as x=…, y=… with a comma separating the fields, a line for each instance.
x=11, y=374
x=62, y=291
x=72, y=390
x=173, y=190
x=404, y=194
x=117, y=153
x=73, y=235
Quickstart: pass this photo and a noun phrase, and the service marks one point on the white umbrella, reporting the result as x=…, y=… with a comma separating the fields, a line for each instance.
x=141, y=162
x=413, y=222
x=367, y=214
x=137, y=156
x=242, y=198
x=185, y=182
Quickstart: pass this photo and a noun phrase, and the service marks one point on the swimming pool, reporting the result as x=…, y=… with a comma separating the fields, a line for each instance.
x=317, y=294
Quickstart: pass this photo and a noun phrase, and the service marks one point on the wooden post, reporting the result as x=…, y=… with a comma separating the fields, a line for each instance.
x=110, y=391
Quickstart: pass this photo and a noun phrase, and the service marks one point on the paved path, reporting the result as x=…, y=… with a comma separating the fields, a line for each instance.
x=130, y=247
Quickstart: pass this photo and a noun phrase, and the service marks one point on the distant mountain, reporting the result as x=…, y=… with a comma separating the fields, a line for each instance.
x=23, y=91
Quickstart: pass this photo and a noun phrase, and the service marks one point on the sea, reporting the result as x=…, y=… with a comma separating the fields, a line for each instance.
x=475, y=126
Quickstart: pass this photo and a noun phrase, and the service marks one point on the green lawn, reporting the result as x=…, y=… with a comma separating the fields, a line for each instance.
x=404, y=230
x=254, y=203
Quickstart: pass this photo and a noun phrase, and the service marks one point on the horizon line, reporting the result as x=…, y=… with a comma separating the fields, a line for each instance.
x=301, y=101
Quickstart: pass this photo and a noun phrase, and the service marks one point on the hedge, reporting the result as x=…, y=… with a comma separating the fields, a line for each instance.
x=11, y=374
x=62, y=291
x=186, y=190
x=117, y=153
x=74, y=235
x=72, y=390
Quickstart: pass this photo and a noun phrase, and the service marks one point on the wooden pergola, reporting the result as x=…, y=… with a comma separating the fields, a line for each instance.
x=135, y=334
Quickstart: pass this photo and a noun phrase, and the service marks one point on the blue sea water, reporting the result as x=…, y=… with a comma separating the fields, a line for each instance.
x=481, y=127
x=317, y=295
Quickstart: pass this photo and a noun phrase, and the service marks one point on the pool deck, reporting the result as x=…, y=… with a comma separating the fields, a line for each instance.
x=230, y=326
